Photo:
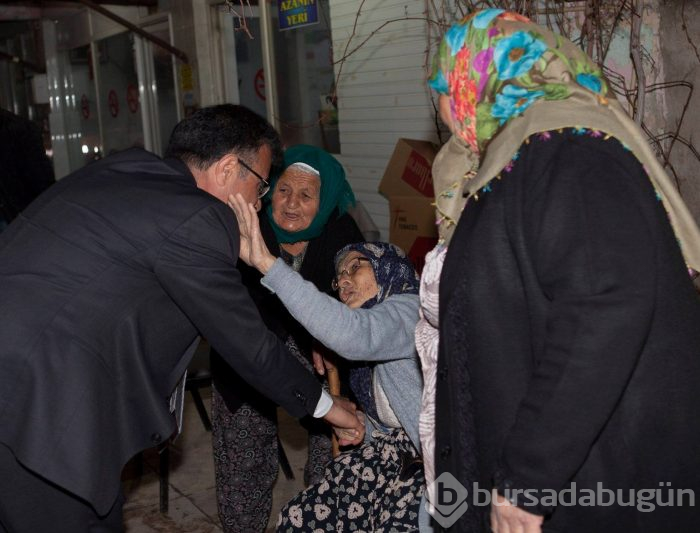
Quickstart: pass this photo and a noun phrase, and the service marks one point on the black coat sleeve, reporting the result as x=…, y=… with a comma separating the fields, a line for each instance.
x=587, y=229
x=196, y=266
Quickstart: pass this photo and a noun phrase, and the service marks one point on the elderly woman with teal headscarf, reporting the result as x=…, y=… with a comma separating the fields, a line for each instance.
x=568, y=361
x=304, y=221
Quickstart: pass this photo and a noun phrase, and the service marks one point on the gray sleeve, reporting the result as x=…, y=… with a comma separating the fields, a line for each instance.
x=382, y=333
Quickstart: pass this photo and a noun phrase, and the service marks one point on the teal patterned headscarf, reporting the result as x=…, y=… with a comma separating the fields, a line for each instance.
x=335, y=190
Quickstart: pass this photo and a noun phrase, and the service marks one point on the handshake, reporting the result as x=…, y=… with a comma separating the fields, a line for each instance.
x=348, y=423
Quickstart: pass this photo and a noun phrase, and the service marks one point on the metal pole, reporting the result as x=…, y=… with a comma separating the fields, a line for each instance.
x=269, y=64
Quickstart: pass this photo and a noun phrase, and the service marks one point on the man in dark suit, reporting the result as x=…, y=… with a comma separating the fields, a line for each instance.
x=106, y=280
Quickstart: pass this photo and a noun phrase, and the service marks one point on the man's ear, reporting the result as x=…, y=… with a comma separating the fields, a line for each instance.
x=227, y=168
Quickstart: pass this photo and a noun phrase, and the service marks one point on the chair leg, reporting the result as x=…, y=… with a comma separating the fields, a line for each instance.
x=199, y=404
x=284, y=462
x=164, y=476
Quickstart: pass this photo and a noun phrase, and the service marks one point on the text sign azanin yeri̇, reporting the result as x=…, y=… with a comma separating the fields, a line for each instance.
x=296, y=13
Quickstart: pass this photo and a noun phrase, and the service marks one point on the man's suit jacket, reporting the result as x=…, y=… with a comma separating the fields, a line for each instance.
x=106, y=279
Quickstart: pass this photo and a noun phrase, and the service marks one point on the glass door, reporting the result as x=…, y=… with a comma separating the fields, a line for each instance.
x=303, y=82
x=87, y=145
x=119, y=94
x=108, y=94
x=243, y=59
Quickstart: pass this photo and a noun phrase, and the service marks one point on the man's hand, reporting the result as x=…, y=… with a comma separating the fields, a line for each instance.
x=507, y=518
x=347, y=425
x=253, y=252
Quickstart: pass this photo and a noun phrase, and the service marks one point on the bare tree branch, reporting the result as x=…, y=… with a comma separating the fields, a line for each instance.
x=687, y=34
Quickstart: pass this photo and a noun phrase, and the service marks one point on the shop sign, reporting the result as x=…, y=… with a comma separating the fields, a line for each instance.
x=297, y=13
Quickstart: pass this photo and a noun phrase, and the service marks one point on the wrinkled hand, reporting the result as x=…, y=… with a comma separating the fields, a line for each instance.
x=507, y=518
x=345, y=438
x=253, y=251
x=349, y=427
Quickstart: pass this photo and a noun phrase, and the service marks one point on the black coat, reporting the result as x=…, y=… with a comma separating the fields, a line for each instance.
x=106, y=279
x=25, y=170
x=318, y=267
x=570, y=341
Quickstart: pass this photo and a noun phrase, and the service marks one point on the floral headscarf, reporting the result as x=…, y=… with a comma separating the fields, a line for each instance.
x=394, y=274
x=508, y=78
x=335, y=190
x=494, y=65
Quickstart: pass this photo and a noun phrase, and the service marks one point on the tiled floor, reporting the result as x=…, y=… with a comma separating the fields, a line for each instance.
x=192, y=499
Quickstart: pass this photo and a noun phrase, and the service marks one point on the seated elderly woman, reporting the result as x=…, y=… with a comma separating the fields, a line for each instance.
x=379, y=485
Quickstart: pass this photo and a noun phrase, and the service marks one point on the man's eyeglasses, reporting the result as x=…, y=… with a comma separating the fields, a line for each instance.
x=349, y=271
x=263, y=186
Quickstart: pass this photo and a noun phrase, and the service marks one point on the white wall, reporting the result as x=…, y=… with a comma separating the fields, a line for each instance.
x=382, y=91
x=383, y=95
x=681, y=62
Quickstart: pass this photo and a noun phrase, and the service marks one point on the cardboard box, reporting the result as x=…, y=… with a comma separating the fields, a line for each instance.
x=408, y=185
x=408, y=172
x=413, y=227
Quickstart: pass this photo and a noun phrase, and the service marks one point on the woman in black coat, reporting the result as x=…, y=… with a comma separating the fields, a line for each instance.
x=305, y=223
x=569, y=342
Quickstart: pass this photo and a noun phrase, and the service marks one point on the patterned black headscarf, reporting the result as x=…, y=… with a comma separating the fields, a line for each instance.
x=393, y=271
x=394, y=274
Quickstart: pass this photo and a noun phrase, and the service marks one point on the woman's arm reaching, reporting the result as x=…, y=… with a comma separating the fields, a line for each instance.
x=384, y=332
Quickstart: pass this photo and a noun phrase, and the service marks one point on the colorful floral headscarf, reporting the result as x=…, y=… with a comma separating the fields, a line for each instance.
x=494, y=65
x=508, y=78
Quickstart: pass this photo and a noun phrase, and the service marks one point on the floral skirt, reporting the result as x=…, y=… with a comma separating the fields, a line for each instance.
x=376, y=487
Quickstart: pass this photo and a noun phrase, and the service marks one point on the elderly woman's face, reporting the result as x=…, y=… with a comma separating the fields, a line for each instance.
x=356, y=281
x=296, y=199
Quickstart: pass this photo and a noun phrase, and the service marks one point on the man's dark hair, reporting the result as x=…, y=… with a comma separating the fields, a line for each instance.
x=212, y=132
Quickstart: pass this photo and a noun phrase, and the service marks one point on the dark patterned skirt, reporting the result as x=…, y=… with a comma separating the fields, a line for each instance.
x=376, y=487
x=246, y=457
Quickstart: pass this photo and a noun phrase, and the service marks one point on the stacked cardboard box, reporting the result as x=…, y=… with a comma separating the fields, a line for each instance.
x=408, y=185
